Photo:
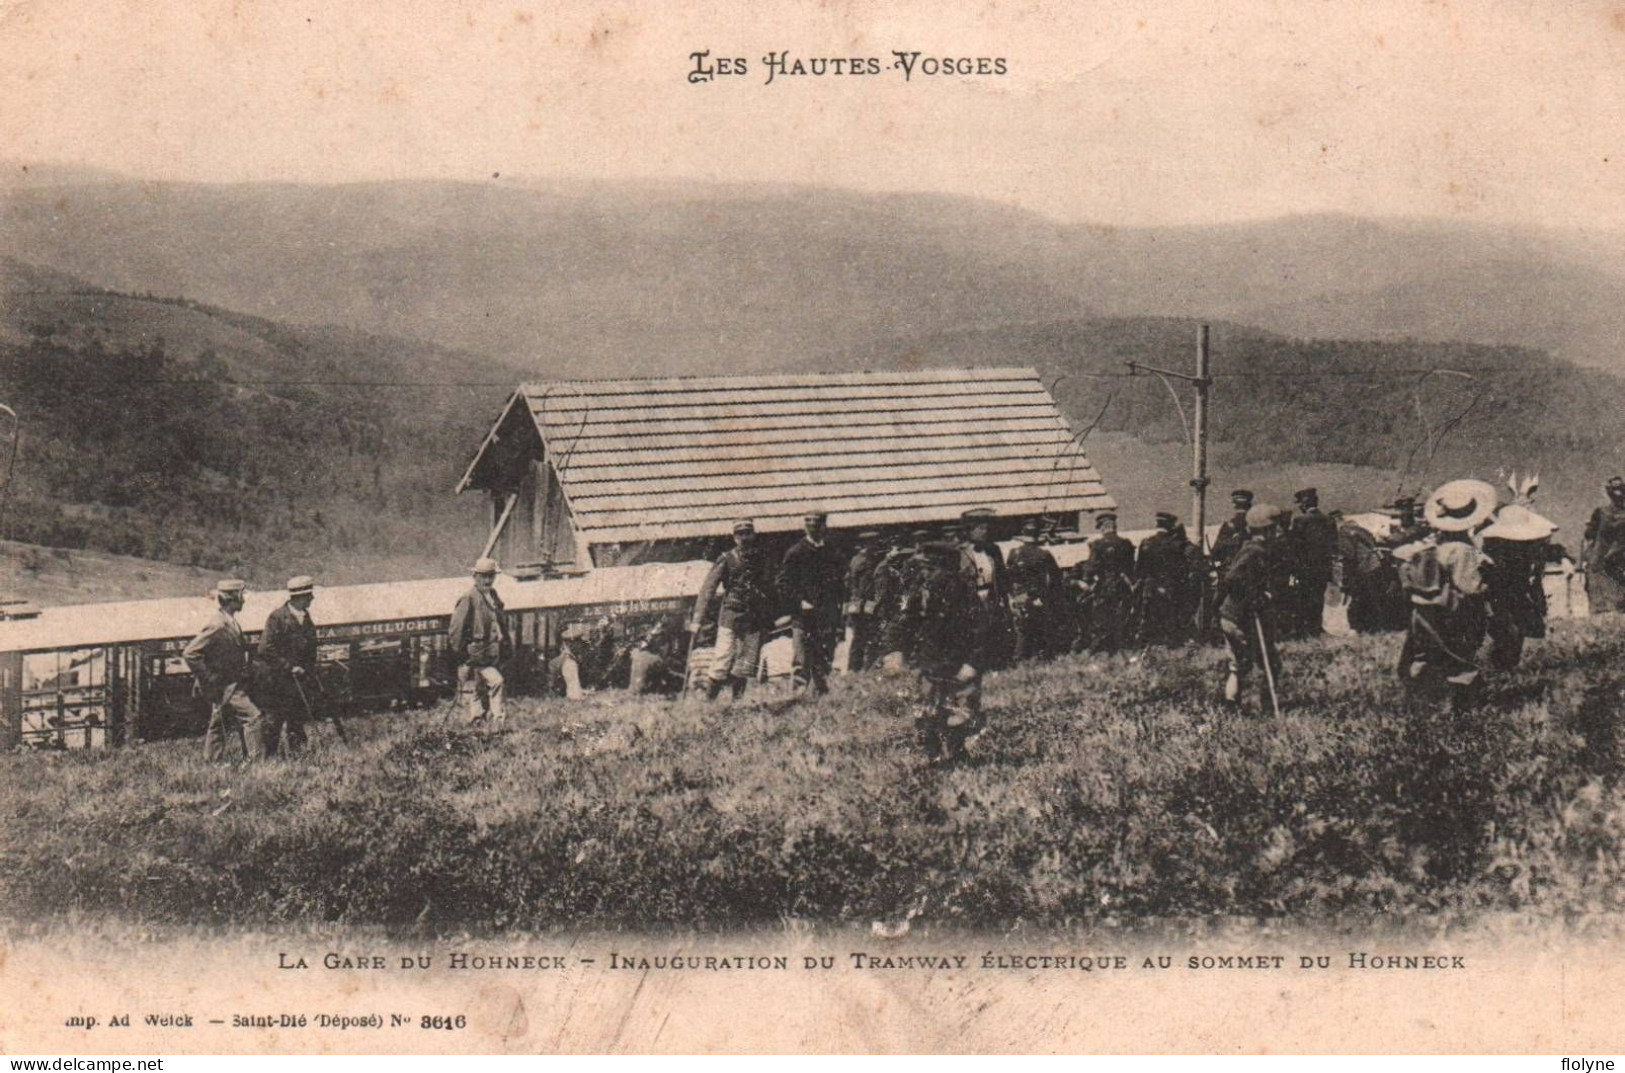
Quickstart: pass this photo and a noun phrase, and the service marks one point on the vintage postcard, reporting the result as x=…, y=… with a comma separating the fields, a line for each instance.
x=811, y=527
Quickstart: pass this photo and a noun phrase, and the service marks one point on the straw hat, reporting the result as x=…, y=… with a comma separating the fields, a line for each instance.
x=1460, y=506
x=1517, y=522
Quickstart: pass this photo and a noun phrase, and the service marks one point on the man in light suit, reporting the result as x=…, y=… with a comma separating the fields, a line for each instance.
x=219, y=658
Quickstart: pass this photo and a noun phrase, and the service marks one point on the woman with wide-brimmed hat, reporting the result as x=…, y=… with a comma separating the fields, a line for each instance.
x=1444, y=580
x=1603, y=552
x=1518, y=545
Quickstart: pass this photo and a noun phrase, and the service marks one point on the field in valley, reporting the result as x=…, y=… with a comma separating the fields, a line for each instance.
x=1105, y=792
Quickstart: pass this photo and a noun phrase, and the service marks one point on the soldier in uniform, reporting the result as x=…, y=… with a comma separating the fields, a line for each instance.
x=478, y=640
x=1036, y=594
x=1603, y=552
x=983, y=563
x=745, y=575
x=1311, y=551
x=811, y=579
x=1108, y=604
x=288, y=662
x=219, y=660
x=1247, y=601
x=942, y=609
x=1232, y=532
x=893, y=578
x=860, y=600
x=1162, y=572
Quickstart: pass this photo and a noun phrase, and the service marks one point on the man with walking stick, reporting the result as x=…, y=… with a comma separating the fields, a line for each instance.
x=1247, y=610
x=218, y=660
x=287, y=657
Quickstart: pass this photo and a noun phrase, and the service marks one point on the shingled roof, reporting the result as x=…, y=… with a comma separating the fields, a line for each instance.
x=683, y=457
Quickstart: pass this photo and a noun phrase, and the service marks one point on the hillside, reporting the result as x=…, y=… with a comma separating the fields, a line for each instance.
x=1288, y=412
x=55, y=576
x=623, y=277
x=1106, y=793
x=166, y=429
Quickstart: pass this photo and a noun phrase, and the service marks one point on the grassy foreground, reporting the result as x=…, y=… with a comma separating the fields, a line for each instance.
x=1107, y=791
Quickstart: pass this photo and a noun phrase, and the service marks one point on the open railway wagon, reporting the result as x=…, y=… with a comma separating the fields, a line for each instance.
x=109, y=674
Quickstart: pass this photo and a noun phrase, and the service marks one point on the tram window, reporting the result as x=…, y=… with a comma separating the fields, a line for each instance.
x=71, y=669
x=331, y=653
x=172, y=665
x=39, y=671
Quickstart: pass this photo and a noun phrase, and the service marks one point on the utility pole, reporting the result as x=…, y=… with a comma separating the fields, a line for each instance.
x=1203, y=380
x=1199, y=479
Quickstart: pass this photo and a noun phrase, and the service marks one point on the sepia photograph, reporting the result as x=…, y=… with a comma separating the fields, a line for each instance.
x=811, y=527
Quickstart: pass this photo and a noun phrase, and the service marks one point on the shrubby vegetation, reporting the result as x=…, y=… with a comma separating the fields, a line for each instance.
x=131, y=450
x=1107, y=792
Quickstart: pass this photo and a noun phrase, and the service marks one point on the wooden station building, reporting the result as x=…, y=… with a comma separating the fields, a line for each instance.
x=593, y=473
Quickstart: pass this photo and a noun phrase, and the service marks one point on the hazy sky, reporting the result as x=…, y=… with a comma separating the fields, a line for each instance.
x=1116, y=113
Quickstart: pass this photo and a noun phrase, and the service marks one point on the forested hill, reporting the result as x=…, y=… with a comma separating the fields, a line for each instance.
x=169, y=430
x=1282, y=401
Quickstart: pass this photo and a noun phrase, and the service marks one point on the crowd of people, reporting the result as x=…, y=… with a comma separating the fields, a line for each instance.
x=947, y=605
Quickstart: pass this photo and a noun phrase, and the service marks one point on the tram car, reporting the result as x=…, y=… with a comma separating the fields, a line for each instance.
x=96, y=675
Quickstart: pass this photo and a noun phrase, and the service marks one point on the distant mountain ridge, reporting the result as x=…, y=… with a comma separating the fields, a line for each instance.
x=622, y=278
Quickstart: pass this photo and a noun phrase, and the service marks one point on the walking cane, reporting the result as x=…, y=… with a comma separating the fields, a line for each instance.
x=1269, y=671
x=310, y=714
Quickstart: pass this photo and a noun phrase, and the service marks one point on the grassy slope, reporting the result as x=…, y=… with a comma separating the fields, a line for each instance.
x=1107, y=791
x=53, y=576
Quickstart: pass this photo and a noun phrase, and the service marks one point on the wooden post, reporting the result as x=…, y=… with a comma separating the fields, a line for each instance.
x=1199, y=479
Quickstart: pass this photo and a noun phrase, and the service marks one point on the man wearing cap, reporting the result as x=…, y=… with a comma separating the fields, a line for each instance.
x=860, y=600
x=941, y=610
x=1443, y=577
x=288, y=658
x=1036, y=593
x=893, y=581
x=811, y=579
x=1108, y=603
x=982, y=562
x=1311, y=552
x=478, y=640
x=1247, y=602
x=1162, y=572
x=745, y=575
x=219, y=660
x=1232, y=532
x=1602, y=551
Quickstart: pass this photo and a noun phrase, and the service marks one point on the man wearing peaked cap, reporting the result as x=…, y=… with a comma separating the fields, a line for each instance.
x=1107, y=603
x=1036, y=594
x=744, y=574
x=1602, y=550
x=859, y=605
x=1165, y=583
x=811, y=579
x=1248, y=597
x=982, y=562
x=288, y=659
x=219, y=660
x=892, y=579
x=1311, y=552
x=478, y=640
x=1232, y=532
